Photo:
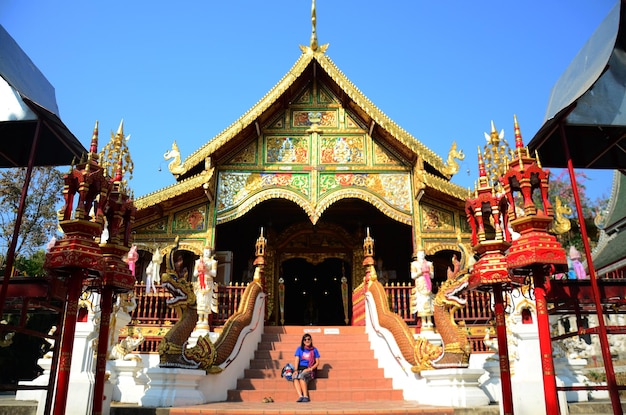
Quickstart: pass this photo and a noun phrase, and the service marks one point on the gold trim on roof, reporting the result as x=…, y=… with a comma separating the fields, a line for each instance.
x=366, y=196
x=314, y=212
x=344, y=83
x=174, y=190
x=243, y=208
x=445, y=186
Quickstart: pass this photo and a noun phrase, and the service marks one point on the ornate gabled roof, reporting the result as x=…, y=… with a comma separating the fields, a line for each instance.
x=609, y=253
x=282, y=86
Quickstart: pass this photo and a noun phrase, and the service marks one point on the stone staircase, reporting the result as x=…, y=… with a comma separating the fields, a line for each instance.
x=348, y=370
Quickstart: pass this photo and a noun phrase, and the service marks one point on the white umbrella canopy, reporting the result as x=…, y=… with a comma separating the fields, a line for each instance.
x=27, y=100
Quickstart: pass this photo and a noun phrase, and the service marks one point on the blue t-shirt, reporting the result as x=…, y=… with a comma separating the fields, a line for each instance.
x=305, y=355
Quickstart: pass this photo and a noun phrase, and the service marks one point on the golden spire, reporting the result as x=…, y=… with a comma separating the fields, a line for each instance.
x=115, y=156
x=314, y=47
x=314, y=29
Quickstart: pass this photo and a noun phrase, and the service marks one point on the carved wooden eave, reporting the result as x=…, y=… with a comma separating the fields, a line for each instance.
x=177, y=189
x=442, y=185
x=378, y=119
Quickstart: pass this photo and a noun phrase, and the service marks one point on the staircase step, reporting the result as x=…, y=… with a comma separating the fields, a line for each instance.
x=282, y=395
x=323, y=373
x=313, y=330
x=348, y=369
x=318, y=384
x=359, y=362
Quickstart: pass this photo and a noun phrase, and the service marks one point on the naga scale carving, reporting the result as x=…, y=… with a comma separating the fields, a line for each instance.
x=420, y=353
x=205, y=355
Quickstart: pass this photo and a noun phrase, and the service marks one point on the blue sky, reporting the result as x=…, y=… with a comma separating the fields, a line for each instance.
x=186, y=70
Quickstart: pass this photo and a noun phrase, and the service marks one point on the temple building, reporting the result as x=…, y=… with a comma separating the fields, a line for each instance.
x=313, y=166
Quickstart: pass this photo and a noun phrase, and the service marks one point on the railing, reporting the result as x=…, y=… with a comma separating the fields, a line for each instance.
x=476, y=314
x=477, y=311
x=152, y=312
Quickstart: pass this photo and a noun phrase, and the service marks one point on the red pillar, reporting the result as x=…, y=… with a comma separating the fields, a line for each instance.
x=75, y=283
x=503, y=351
x=545, y=342
x=106, y=307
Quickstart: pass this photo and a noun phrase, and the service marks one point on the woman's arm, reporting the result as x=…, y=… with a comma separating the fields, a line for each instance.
x=297, y=361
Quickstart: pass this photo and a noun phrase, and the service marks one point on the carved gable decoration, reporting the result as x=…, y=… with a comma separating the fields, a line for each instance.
x=436, y=219
x=326, y=97
x=287, y=150
x=235, y=187
x=193, y=219
x=159, y=226
x=342, y=149
x=393, y=188
x=350, y=123
x=382, y=157
x=304, y=97
x=246, y=156
x=278, y=123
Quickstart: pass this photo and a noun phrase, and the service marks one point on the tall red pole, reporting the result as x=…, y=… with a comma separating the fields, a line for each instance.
x=75, y=283
x=545, y=342
x=602, y=334
x=106, y=307
x=503, y=351
x=10, y=256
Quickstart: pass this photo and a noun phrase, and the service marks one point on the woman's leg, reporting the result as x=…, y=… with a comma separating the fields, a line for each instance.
x=304, y=385
x=296, y=383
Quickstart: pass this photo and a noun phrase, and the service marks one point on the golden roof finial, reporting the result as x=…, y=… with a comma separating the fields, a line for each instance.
x=94, y=139
x=314, y=28
x=314, y=47
x=115, y=155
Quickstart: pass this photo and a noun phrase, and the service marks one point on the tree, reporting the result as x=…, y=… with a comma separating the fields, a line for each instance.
x=39, y=221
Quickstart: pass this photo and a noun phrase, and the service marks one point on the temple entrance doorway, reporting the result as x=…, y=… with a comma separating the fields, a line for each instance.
x=313, y=292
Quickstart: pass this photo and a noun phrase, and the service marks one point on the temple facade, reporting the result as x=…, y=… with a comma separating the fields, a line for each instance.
x=313, y=167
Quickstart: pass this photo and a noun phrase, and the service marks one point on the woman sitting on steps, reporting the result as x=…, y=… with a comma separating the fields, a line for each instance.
x=307, y=361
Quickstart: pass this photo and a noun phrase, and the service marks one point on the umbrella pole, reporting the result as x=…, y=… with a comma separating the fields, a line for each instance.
x=602, y=334
x=10, y=258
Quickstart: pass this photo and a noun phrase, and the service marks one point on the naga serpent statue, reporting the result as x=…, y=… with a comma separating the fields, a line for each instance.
x=420, y=353
x=205, y=355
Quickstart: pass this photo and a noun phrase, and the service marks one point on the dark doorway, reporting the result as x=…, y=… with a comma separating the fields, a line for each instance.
x=313, y=292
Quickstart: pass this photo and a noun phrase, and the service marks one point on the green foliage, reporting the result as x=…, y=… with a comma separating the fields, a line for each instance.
x=31, y=266
x=39, y=222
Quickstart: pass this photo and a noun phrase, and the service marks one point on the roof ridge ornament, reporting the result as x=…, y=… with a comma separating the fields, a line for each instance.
x=314, y=47
x=313, y=27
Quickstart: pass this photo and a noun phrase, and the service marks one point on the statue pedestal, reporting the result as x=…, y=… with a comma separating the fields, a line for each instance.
x=454, y=387
x=492, y=384
x=81, y=393
x=129, y=384
x=173, y=387
x=569, y=372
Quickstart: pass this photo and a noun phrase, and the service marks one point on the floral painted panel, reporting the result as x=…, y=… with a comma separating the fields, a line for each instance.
x=393, y=188
x=287, y=150
x=326, y=119
x=235, y=187
x=435, y=219
x=342, y=150
x=191, y=219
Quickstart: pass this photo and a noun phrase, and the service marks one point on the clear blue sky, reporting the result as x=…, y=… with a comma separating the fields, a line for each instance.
x=186, y=70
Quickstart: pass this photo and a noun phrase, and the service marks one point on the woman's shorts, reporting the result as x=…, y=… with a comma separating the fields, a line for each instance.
x=306, y=376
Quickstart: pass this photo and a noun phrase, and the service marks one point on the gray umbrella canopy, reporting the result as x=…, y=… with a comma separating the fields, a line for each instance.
x=589, y=103
x=26, y=100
